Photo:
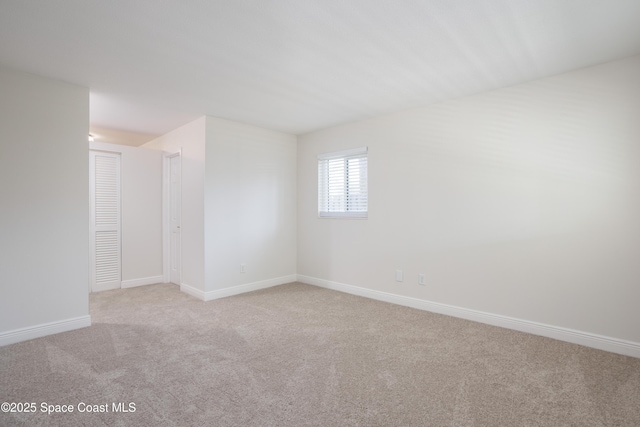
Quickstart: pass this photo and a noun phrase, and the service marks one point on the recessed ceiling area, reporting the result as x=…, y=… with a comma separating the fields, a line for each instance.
x=300, y=65
x=121, y=137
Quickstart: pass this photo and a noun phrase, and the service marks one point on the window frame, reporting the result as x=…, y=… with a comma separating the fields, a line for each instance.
x=345, y=155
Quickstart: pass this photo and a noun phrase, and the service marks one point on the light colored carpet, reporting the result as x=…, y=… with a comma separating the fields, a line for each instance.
x=297, y=355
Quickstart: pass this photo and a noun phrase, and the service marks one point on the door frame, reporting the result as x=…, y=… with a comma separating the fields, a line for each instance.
x=166, y=232
x=92, y=225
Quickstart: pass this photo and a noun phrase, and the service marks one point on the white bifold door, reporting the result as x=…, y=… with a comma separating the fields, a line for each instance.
x=105, y=237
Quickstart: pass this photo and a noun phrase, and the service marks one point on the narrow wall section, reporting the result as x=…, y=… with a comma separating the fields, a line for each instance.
x=44, y=199
x=190, y=138
x=250, y=203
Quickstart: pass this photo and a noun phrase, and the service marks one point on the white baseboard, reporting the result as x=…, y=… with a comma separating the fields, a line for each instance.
x=197, y=293
x=236, y=290
x=42, y=330
x=614, y=345
x=143, y=281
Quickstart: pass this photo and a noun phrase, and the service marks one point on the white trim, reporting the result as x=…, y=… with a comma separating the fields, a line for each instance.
x=166, y=277
x=190, y=290
x=143, y=281
x=165, y=221
x=236, y=290
x=600, y=342
x=343, y=153
x=102, y=288
x=343, y=215
x=44, y=329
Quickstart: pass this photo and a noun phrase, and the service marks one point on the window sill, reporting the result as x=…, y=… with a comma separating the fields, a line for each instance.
x=343, y=215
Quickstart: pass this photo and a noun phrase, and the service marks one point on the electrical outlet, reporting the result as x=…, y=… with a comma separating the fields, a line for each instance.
x=243, y=268
x=399, y=277
x=421, y=279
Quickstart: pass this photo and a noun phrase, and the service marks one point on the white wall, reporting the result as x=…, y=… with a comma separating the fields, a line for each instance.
x=250, y=205
x=522, y=202
x=191, y=139
x=238, y=206
x=141, y=176
x=44, y=206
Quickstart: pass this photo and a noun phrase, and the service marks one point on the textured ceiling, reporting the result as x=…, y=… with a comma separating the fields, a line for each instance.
x=301, y=65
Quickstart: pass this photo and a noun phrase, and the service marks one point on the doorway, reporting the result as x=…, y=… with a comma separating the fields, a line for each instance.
x=173, y=221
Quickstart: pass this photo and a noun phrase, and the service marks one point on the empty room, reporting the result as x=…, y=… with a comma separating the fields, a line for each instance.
x=319, y=212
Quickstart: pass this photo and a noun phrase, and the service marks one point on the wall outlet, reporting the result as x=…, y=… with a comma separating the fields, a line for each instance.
x=243, y=268
x=421, y=279
x=399, y=277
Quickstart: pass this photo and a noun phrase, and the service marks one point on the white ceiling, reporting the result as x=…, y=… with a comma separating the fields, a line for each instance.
x=302, y=65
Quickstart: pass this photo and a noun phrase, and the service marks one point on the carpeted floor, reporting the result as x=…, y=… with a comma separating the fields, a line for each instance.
x=297, y=355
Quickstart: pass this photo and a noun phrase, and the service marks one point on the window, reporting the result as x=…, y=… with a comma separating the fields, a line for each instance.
x=342, y=184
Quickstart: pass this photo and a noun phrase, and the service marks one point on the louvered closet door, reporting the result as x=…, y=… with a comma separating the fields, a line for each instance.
x=105, y=221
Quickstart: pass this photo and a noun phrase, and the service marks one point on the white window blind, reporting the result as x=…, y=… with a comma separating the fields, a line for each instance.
x=342, y=184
